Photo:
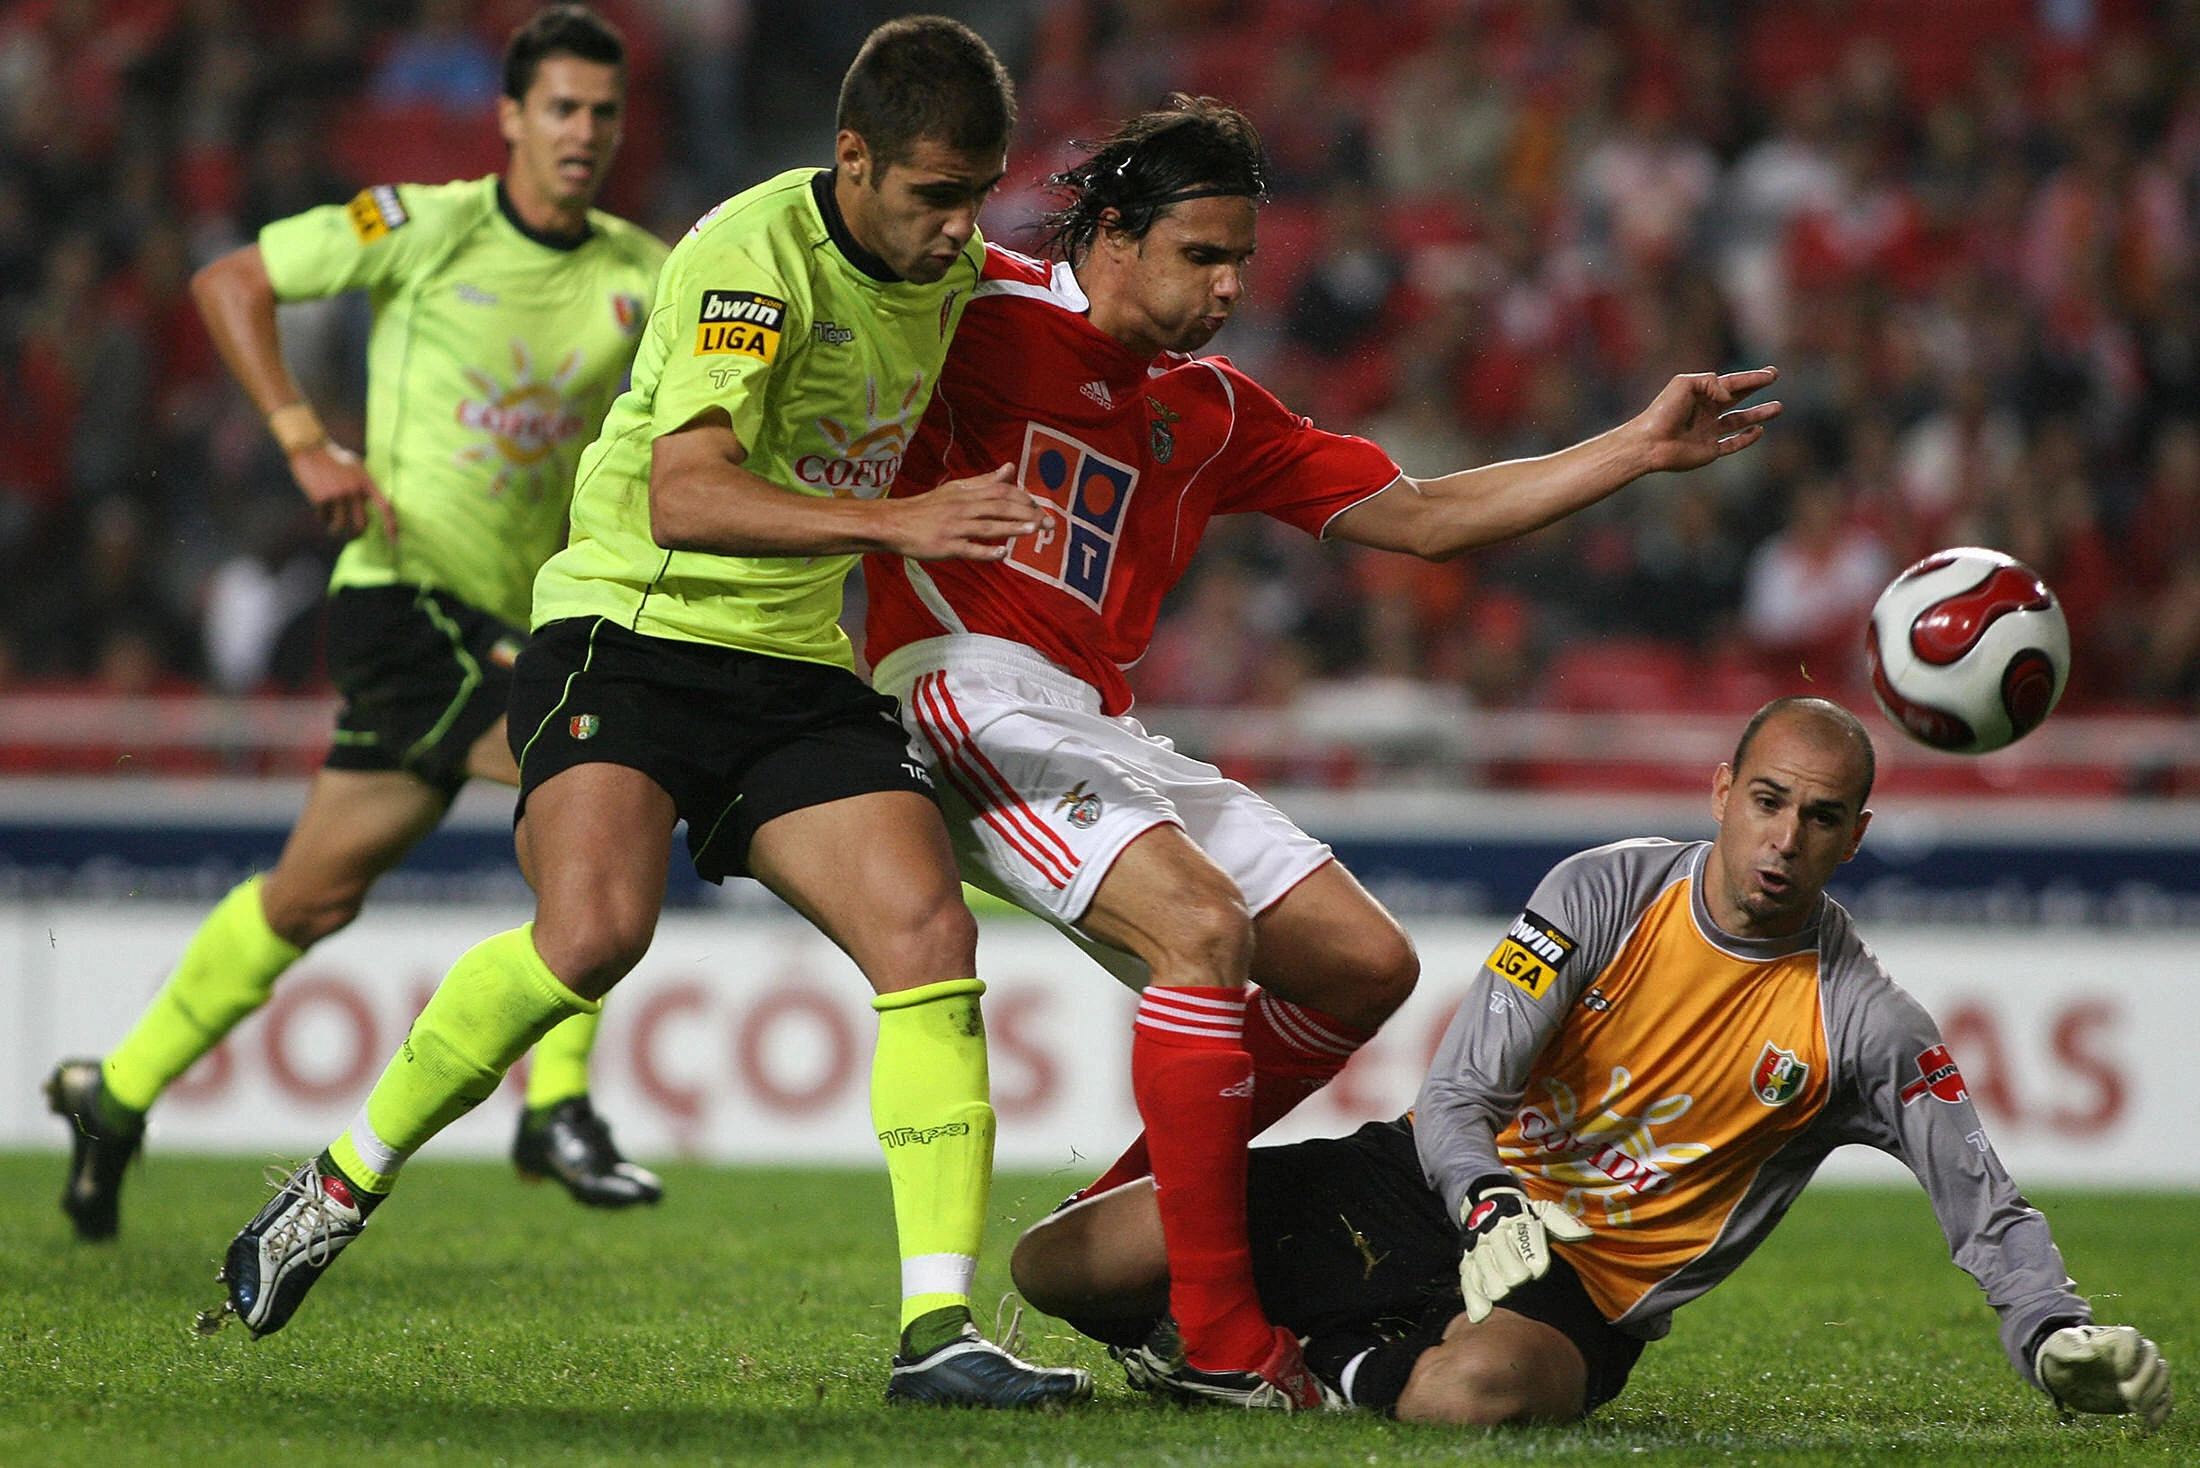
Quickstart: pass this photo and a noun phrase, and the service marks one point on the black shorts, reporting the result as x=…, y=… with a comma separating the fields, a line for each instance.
x=423, y=675
x=1351, y=1247
x=735, y=738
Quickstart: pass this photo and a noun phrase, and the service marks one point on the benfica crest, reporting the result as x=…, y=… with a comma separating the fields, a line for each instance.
x=1778, y=1076
x=1164, y=421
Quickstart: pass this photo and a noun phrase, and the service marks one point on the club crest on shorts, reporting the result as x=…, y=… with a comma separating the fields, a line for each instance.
x=1080, y=807
x=1778, y=1077
x=583, y=726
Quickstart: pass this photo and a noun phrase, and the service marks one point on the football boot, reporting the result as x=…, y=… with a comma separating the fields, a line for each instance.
x=569, y=1142
x=102, y=1140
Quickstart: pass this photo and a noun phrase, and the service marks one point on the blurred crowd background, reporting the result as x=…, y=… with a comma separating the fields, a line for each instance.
x=1965, y=230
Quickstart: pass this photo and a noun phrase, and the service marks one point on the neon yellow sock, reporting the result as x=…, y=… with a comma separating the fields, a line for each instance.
x=558, y=1070
x=226, y=972
x=928, y=1101
x=496, y=1001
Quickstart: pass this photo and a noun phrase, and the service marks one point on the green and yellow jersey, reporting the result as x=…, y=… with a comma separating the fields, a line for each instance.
x=493, y=357
x=770, y=311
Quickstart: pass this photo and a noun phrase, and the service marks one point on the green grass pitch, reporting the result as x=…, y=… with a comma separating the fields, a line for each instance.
x=747, y=1321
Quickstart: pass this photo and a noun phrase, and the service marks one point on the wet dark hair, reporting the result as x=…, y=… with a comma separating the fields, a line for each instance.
x=925, y=76
x=559, y=30
x=1193, y=148
x=1824, y=708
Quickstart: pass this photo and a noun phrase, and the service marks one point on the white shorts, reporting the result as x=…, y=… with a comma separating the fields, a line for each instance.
x=1043, y=791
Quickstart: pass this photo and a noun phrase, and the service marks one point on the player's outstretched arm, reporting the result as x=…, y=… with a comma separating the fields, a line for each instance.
x=1693, y=421
x=237, y=300
x=2104, y=1368
x=702, y=499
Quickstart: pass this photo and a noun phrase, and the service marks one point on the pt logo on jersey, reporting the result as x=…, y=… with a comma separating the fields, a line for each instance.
x=1937, y=1077
x=1532, y=953
x=627, y=311
x=1778, y=1076
x=1085, y=493
x=375, y=212
x=742, y=322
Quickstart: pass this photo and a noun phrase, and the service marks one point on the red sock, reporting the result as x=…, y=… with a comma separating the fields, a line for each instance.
x=1193, y=1081
x=1296, y=1051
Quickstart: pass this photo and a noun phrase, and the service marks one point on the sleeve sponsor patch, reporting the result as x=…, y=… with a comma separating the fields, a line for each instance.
x=375, y=212
x=1937, y=1077
x=741, y=323
x=1531, y=954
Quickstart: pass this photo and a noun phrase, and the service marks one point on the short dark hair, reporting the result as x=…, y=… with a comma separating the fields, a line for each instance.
x=1192, y=146
x=570, y=30
x=925, y=76
x=1824, y=708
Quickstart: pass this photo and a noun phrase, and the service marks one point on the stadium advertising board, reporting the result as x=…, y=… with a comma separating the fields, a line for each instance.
x=745, y=1037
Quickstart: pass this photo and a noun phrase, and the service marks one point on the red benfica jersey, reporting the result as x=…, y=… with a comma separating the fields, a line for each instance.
x=1130, y=456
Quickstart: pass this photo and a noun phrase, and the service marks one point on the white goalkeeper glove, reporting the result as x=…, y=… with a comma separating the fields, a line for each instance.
x=2104, y=1368
x=1506, y=1243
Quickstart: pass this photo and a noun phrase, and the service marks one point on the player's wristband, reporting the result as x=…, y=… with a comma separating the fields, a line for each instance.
x=2042, y=1331
x=297, y=428
x=1482, y=1187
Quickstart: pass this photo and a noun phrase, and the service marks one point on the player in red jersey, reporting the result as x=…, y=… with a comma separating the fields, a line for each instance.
x=1263, y=964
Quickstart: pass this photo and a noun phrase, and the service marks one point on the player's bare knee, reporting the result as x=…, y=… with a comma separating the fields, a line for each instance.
x=1465, y=1383
x=934, y=941
x=1209, y=938
x=1393, y=968
x=304, y=918
x=593, y=948
x=1361, y=977
x=1034, y=1268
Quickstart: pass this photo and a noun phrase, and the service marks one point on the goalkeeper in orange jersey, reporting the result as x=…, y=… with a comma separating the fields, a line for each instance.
x=1640, y=1081
x=506, y=314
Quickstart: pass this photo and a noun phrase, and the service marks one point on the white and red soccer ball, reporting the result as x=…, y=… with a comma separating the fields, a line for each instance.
x=1969, y=650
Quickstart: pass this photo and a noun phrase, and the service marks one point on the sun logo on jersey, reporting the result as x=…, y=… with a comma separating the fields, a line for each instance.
x=1600, y=1151
x=526, y=421
x=1085, y=494
x=863, y=461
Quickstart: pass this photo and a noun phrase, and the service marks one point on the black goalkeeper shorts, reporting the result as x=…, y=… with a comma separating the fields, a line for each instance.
x=735, y=738
x=423, y=676
x=1352, y=1246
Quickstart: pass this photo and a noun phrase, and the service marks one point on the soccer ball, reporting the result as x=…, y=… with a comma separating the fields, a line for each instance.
x=1968, y=649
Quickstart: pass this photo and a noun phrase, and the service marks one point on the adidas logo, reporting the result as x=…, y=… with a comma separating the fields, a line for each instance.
x=1098, y=392
x=1242, y=1088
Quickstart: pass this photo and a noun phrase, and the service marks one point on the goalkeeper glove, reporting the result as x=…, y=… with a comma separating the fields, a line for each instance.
x=2104, y=1368
x=1506, y=1243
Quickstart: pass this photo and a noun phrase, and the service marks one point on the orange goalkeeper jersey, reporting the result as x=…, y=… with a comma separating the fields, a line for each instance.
x=1674, y=1087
